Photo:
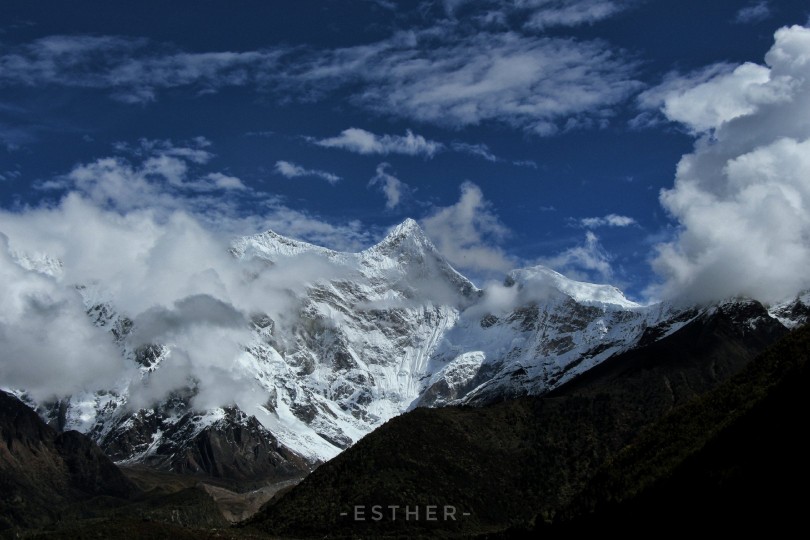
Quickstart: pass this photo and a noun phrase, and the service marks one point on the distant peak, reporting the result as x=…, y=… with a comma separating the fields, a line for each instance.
x=269, y=244
x=407, y=230
x=409, y=226
x=580, y=291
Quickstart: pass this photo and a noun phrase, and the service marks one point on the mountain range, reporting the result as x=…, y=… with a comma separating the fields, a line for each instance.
x=386, y=330
x=505, y=401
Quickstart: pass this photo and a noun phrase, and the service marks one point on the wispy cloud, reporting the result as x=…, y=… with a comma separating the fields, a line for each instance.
x=467, y=232
x=14, y=137
x=551, y=13
x=753, y=13
x=588, y=261
x=364, y=142
x=292, y=170
x=443, y=74
x=447, y=77
x=392, y=187
x=480, y=150
x=540, y=14
x=610, y=220
x=132, y=69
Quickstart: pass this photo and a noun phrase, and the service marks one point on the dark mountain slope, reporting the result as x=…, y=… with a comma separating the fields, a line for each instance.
x=41, y=472
x=734, y=459
x=507, y=463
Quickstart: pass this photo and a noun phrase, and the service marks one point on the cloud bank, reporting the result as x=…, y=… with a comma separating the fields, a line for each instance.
x=742, y=197
x=150, y=231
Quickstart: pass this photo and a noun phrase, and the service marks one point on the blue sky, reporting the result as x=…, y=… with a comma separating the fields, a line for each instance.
x=518, y=132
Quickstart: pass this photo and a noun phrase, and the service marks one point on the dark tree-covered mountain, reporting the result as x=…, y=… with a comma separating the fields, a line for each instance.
x=42, y=473
x=734, y=459
x=523, y=460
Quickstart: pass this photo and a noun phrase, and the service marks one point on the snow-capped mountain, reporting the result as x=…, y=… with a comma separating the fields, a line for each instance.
x=396, y=329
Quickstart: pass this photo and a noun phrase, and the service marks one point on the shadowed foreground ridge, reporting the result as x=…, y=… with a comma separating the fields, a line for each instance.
x=42, y=473
x=521, y=461
x=736, y=458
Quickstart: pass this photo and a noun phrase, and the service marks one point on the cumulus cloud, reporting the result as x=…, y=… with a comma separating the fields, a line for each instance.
x=467, y=231
x=610, y=220
x=163, y=177
x=756, y=12
x=160, y=177
x=392, y=187
x=742, y=196
x=50, y=346
x=292, y=170
x=705, y=100
x=588, y=261
x=364, y=142
x=164, y=263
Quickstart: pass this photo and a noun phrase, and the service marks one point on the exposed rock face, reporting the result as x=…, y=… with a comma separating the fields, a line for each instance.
x=236, y=447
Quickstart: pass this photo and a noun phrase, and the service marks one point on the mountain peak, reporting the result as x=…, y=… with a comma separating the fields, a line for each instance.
x=580, y=291
x=270, y=245
x=407, y=233
x=409, y=227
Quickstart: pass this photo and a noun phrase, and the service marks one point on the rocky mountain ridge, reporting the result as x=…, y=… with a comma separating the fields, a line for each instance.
x=385, y=330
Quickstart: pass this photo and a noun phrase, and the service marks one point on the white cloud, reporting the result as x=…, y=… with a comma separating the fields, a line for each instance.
x=542, y=14
x=224, y=181
x=161, y=253
x=446, y=77
x=466, y=232
x=586, y=262
x=220, y=201
x=163, y=178
x=350, y=236
x=133, y=69
x=291, y=170
x=707, y=99
x=364, y=142
x=610, y=220
x=742, y=196
x=50, y=346
x=756, y=12
x=443, y=74
x=480, y=150
x=392, y=187
x=8, y=176
x=551, y=13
